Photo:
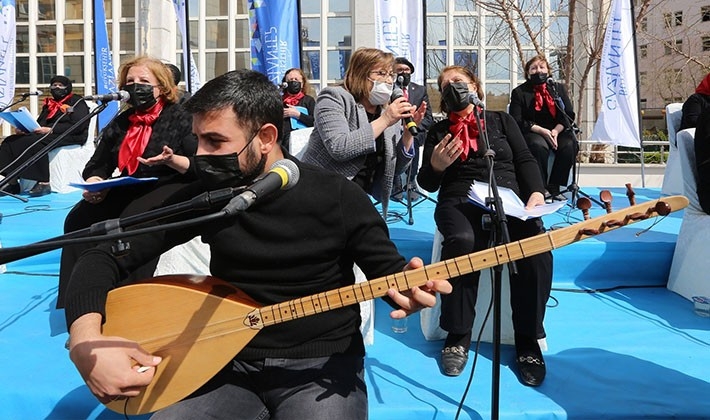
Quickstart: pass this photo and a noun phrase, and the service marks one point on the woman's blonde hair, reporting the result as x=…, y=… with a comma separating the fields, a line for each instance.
x=160, y=71
x=305, y=86
x=361, y=63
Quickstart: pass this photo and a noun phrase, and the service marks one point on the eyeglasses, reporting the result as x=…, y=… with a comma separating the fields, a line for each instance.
x=383, y=74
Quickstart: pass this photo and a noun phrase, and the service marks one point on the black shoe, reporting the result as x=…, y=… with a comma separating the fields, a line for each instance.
x=553, y=194
x=531, y=364
x=40, y=189
x=453, y=360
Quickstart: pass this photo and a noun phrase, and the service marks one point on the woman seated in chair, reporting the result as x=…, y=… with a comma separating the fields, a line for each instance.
x=696, y=103
x=54, y=120
x=544, y=113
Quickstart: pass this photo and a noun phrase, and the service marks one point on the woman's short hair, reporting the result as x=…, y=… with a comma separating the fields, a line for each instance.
x=533, y=60
x=159, y=70
x=466, y=72
x=362, y=61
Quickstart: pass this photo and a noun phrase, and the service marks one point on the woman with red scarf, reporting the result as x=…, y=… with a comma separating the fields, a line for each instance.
x=54, y=120
x=298, y=105
x=544, y=113
x=696, y=103
x=152, y=138
x=453, y=159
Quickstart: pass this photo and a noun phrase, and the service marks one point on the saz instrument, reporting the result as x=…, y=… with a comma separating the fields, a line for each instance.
x=197, y=324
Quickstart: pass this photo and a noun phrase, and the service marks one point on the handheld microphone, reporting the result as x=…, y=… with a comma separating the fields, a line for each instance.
x=283, y=175
x=408, y=121
x=35, y=93
x=475, y=100
x=550, y=81
x=283, y=86
x=121, y=95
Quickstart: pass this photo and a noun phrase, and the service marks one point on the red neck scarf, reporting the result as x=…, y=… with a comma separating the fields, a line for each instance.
x=293, y=100
x=137, y=137
x=466, y=129
x=54, y=106
x=542, y=95
x=704, y=86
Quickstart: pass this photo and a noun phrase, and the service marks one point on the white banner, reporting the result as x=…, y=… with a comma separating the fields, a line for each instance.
x=193, y=81
x=618, y=120
x=7, y=53
x=399, y=29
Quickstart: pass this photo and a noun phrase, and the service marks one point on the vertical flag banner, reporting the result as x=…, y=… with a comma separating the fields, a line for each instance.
x=399, y=29
x=275, y=40
x=103, y=65
x=193, y=82
x=7, y=53
x=618, y=120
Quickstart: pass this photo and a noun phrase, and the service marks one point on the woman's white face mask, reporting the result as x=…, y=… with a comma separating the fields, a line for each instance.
x=380, y=93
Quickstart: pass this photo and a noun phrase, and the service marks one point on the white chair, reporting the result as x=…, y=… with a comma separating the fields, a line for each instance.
x=66, y=163
x=298, y=141
x=429, y=317
x=672, y=177
x=691, y=259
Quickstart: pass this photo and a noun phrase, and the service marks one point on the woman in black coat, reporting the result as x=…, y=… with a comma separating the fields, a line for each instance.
x=54, y=120
x=544, y=113
x=298, y=104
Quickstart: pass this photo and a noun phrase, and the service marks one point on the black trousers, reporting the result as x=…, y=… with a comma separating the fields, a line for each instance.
x=460, y=225
x=565, y=156
x=119, y=202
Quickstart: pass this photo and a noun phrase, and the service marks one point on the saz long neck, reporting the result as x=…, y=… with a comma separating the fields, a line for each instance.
x=501, y=254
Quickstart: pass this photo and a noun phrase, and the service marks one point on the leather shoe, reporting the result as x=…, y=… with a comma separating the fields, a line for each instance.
x=40, y=189
x=453, y=360
x=531, y=368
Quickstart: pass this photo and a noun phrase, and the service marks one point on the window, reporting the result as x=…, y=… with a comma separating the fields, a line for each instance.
x=667, y=19
x=705, y=13
x=667, y=49
x=679, y=45
x=643, y=51
x=644, y=24
x=706, y=43
x=678, y=18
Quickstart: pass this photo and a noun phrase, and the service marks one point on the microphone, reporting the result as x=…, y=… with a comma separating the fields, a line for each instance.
x=550, y=81
x=283, y=175
x=475, y=100
x=283, y=86
x=35, y=93
x=121, y=95
x=408, y=121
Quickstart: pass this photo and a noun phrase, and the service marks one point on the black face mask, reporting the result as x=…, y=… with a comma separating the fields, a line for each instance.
x=141, y=95
x=59, y=93
x=455, y=96
x=293, y=87
x=538, y=78
x=221, y=171
x=403, y=79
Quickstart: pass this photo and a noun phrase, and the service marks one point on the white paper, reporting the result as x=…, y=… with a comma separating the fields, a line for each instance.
x=511, y=202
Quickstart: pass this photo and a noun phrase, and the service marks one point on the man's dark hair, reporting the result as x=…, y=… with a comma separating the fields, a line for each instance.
x=251, y=95
x=177, y=74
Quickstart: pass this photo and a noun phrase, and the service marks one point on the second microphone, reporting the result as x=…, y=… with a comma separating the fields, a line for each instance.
x=408, y=121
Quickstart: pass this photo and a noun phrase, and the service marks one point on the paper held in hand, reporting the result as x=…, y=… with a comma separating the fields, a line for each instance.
x=511, y=202
x=20, y=119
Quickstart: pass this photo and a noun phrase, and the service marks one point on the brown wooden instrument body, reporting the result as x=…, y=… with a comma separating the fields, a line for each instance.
x=197, y=324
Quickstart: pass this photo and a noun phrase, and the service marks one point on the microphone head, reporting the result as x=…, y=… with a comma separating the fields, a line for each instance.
x=289, y=172
x=37, y=92
x=396, y=93
x=550, y=81
x=123, y=95
x=475, y=100
x=283, y=86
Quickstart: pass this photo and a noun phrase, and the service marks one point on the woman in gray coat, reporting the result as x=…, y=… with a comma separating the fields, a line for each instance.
x=355, y=134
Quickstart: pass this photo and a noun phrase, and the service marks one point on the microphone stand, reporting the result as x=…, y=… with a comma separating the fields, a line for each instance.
x=571, y=126
x=46, y=149
x=23, y=97
x=499, y=235
x=114, y=228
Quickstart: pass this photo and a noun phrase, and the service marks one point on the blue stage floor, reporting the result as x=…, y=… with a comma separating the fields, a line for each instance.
x=621, y=346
